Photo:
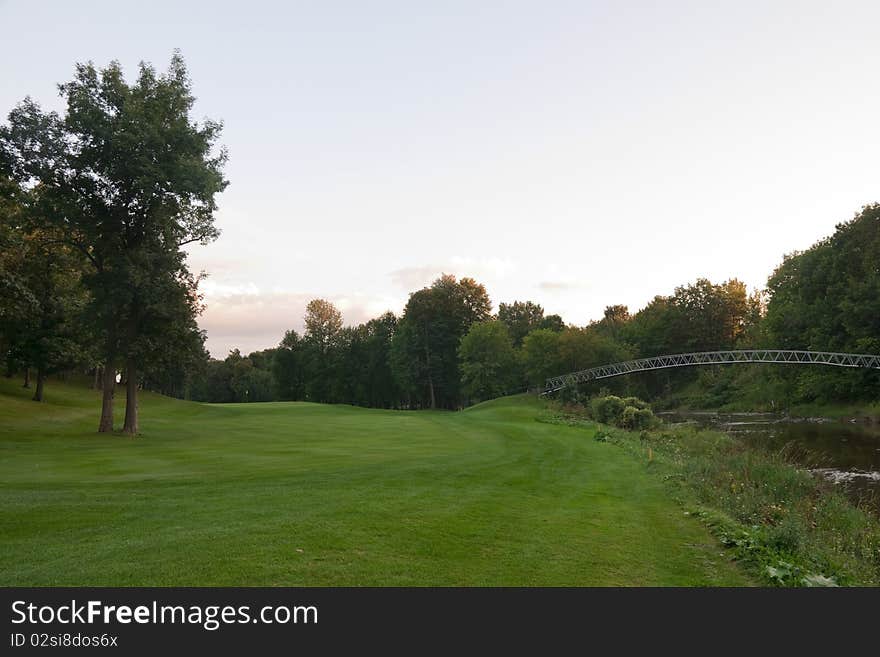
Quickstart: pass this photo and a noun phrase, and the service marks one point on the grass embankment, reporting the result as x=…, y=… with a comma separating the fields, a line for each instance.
x=302, y=494
x=786, y=526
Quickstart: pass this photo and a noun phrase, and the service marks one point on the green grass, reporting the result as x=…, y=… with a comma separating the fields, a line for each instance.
x=296, y=494
x=786, y=526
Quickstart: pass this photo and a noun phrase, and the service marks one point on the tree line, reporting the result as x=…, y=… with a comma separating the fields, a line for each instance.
x=447, y=349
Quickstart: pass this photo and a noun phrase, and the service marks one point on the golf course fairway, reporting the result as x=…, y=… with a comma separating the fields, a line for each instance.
x=299, y=494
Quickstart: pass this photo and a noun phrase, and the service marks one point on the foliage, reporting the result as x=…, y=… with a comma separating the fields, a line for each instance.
x=607, y=410
x=636, y=418
x=323, y=324
x=828, y=299
x=523, y=317
x=540, y=356
x=42, y=311
x=425, y=347
x=488, y=361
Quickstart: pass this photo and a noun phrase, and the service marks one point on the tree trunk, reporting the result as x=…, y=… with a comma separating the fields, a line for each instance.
x=428, y=368
x=130, y=425
x=109, y=386
x=38, y=393
x=27, y=378
x=96, y=384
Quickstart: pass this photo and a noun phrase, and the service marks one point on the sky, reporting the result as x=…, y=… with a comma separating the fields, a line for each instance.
x=576, y=154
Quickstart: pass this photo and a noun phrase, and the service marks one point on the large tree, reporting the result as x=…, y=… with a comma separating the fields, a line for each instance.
x=323, y=323
x=128, y=179
x=323, y=343
x=424, y=352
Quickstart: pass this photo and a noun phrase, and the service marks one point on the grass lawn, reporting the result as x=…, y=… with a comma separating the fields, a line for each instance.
x=296, y=494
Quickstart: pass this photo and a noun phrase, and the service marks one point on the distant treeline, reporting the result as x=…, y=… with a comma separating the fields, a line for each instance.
x=447, y=349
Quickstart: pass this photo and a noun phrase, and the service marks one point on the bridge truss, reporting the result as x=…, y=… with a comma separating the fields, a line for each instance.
x=714, y=358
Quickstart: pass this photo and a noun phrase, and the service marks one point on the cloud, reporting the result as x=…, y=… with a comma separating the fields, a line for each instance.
x=415, y=278
x=559, y=286
x=211, y=288
x=242, y=316
x=481, y=269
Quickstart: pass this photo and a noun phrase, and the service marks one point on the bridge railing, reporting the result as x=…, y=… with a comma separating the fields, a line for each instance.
x=715, y=358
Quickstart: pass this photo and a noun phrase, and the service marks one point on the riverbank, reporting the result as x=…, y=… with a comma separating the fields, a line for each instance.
x=785, y=526
x=724, y=392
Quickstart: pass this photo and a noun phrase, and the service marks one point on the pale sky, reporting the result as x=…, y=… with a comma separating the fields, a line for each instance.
x=576, y=154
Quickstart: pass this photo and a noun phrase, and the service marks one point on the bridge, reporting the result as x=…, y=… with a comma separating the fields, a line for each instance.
x=868, y=361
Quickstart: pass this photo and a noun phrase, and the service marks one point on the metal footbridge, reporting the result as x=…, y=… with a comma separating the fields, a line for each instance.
x=868, y=361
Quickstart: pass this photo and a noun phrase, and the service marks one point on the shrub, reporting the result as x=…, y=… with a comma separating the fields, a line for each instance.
x=636, y=418
x=629, y=413
x=635, y=402
x=607, y=410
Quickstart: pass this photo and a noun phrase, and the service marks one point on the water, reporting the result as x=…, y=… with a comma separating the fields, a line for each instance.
x=845, y=453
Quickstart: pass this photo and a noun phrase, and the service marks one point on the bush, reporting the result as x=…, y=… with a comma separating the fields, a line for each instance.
x=629, y=413
x=637, y=403
x=636, y=418
x=607, y=410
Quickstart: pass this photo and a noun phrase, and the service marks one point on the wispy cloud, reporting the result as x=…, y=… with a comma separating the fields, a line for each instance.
x=559, y=286
x=241, y=315
x=482, y=269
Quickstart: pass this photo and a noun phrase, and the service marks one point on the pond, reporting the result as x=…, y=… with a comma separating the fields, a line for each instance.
x=844, y=452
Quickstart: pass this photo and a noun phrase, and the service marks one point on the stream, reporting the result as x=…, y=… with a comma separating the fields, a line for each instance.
x=843, y=452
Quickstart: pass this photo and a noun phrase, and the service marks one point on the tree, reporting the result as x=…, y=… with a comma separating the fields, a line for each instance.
x=381, y=387
x=323, y=324
x=288, y=368
x=51, y=340
x=553, y=323
x=488, y=361
x=613, y=321
x=709, y=316
x=18, y=305
x=520, y=317
x=583, y=348
x=43, y=299
x=540, y=356
x=128, y=179
x=425, y=347
x=171, y=346
x=322, y=350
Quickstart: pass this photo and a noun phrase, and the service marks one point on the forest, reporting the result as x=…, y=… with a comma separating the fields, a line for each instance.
x=97, y=205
